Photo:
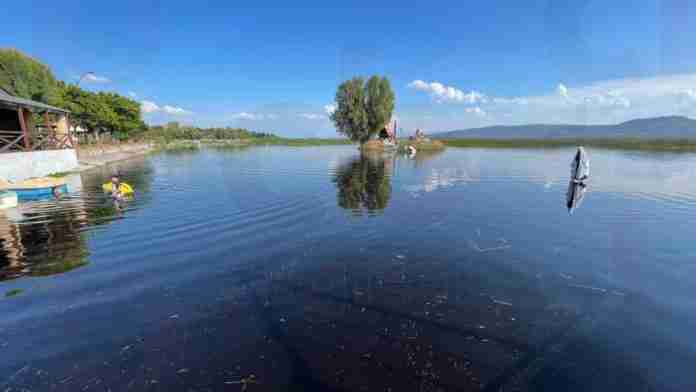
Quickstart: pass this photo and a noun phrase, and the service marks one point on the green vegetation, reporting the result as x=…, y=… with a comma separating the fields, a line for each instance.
x=102, y=112
x=174, y=136
x=363, y=109
x=25, y=77
x=364, y=183
x=13, y=292
x=617, y=143
x=58, y=174
x=422, y=145
x=174, y=131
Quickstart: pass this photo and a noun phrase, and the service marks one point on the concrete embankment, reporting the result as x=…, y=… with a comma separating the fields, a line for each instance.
x=19, y=166
x=93, y=156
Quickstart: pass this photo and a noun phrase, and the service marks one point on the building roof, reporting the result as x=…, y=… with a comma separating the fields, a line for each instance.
x=15, y=102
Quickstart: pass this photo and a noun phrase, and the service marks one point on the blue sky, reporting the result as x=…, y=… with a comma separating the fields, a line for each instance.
x=275, y=66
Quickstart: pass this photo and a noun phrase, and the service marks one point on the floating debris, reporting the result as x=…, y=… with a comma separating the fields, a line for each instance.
x=592, y=288
x=251, y=379
x=503, y=245
x=13, y=292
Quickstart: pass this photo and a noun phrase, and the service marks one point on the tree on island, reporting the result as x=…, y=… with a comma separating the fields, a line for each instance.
x=363, y=109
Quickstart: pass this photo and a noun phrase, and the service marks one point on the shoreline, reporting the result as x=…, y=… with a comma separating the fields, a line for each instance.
x=631, y=144
x=91, y=157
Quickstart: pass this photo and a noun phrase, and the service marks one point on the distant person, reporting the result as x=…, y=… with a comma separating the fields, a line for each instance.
x=115, y=187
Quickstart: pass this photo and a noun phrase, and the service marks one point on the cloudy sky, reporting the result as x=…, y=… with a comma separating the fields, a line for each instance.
x=275, y=66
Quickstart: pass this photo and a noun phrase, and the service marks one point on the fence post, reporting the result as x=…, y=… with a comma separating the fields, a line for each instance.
x=25, y=132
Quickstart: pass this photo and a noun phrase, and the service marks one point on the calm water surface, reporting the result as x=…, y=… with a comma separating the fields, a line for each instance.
x=316, y=269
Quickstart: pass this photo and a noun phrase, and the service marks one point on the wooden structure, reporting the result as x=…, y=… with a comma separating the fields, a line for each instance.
x=18, y=131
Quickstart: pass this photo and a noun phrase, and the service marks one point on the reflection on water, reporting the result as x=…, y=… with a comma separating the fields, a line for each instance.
x=576, y=192
x=422, y=156
x=48, y=236
x=364, y=183
x=458, y=271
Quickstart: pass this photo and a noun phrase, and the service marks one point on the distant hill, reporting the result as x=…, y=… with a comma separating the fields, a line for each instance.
x=669, y=127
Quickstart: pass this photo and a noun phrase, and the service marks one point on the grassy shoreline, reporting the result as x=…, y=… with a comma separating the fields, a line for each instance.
x=183, y=144
x=618, y=143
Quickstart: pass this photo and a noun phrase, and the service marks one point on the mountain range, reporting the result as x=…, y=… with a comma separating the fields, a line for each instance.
x=668, y=127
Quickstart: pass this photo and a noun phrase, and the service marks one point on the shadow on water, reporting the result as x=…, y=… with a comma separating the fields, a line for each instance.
x=364, y=183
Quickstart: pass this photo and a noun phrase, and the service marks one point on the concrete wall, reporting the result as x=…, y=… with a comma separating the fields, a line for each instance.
x=17, y=166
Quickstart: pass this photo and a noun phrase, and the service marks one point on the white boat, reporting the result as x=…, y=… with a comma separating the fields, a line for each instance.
x=7, y=200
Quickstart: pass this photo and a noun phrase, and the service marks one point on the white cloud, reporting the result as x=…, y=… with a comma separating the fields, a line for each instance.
x=312, y=116
x=253, y=116
x=689, y=95
x=562, y=90
x=132, y=94
x=476, y=110
x=174, y=110
x=92, y=78
x=152, y=107
x=441, y=93
x=515, y=101
x=149, y=107
x=599, y=102
x=474, y=97
x=244, y=116
x=330, y=108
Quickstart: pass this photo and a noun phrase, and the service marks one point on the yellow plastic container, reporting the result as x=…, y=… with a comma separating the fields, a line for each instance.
x=123, y=188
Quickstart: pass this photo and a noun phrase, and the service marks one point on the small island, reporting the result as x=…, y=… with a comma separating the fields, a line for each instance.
x=364, y=113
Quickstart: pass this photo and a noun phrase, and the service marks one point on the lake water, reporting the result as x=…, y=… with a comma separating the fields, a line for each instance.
x=274, y=268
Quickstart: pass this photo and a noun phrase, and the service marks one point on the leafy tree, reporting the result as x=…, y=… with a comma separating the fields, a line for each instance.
x=102, y=112
x=124, y=116
x=23, y=76
x=379, y=103
x=350, y=116
x=362, y=109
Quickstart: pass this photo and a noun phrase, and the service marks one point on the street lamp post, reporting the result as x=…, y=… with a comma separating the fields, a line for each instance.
x=78, y=85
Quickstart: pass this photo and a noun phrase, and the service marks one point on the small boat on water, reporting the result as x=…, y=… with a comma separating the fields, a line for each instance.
x=8, y=199
x=38, y=188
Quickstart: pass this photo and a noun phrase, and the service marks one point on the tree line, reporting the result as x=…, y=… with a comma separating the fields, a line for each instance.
x=175, y=131
x=97, y=112
x=25, y=77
